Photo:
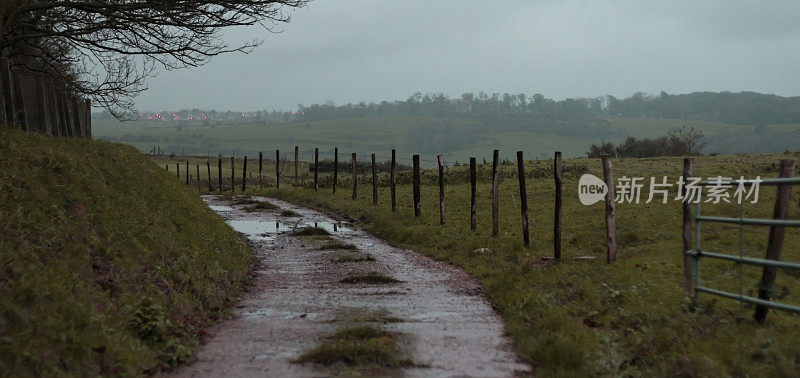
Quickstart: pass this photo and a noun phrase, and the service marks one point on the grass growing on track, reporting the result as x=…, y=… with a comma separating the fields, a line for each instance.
x=361, y=346
x=588, y=317
x=310, y=231
x=368, y=278
x=336, y=244
x=108, y=265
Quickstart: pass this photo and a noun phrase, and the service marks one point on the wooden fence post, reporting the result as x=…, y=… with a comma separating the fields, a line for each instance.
x=277, y=169
x=495, y=199
x=88, y=120
x=316, y=168
x=244, y=174
x=5, y=76
x=233, y=177
x=374, y=181
x=19, y=99
x=335, y=168
x=523, y=198
x=473, y=184
x=219, y=173
x=776, y=234
x=355, y=176
x=41, y=106
x=686, y=285
x=295, y=166
x=178, y=170
x=417, y=206
x=260, y=167
x=440, y=162
x=198, y=177
x=187, y=172
x=393, y=181
x=611, y=222
x=557, y=211
x=210, y=185
x=76, y=120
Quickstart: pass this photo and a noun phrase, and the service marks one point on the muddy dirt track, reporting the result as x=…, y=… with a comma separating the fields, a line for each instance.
x=437, y=313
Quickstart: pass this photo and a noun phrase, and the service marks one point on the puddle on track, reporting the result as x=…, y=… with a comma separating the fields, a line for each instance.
x=267, y=230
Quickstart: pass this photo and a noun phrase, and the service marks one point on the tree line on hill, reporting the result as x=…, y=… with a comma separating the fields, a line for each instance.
x=747, y=108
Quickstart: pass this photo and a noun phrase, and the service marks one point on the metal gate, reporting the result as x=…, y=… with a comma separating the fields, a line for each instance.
x=770, y=265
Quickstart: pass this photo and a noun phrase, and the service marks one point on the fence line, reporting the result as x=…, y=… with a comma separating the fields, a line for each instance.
x=691, y=255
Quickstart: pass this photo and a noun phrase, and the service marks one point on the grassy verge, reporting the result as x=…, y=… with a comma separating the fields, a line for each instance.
x=586, y=316
x=108, y=265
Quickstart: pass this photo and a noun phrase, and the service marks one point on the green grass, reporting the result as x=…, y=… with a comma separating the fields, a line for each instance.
x=335, y=244
x=109, y=265
x=360, y=346
x=310, y=231
x=352, y=257
x=368, y=278
x=261, y=206
x=289, y=213
x=587, y=317
x=380, y=135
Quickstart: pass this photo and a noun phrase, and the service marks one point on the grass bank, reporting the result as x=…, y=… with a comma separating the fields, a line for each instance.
x=108, y=265
x=586, y=317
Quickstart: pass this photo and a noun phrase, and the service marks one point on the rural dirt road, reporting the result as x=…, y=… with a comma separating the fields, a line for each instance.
x=437, y=313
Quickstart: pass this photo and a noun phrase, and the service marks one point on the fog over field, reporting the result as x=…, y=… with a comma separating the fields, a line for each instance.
x=352, y=51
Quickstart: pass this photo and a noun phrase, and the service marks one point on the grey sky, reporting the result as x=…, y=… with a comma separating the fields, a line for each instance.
x=370, y=50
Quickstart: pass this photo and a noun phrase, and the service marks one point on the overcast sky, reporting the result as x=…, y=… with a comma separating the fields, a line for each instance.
x=370, y=50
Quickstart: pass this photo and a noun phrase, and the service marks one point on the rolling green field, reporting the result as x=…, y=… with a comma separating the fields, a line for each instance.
x=456, y=139
x=585, y=317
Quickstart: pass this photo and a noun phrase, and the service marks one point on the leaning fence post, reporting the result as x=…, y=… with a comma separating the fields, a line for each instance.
x=374, y=182
x=611, y=222
x=277, y=169
x=233, y=177
x=473, y=184
x=260, y=166
x=244, y=174
x=335, y=168
x=178, y=170
x=210, y=185
x=417, y=208
x=687, y=228
x=523, y=198
x=776, y=234
x=393, y=181
x=557, y=211
x=495, y=199
x=440, y=162
x=355, y=176
x=316, y=168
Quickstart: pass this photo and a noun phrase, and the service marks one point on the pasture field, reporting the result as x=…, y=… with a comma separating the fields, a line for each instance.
x=586, y=317
x=456, y=139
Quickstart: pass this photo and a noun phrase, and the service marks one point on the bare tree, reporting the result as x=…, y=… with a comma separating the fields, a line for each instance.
x=107, y=49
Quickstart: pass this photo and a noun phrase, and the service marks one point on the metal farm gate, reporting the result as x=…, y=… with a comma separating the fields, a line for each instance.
x=771, y=263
